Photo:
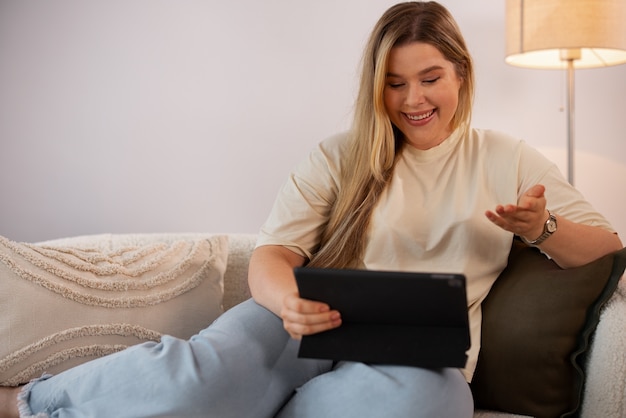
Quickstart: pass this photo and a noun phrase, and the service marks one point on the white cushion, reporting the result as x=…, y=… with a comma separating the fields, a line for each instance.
x=68, y=301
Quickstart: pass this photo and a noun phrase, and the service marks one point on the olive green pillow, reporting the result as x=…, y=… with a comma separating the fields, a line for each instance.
x=537, y=323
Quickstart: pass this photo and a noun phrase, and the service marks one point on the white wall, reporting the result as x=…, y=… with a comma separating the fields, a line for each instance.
x=186, y=116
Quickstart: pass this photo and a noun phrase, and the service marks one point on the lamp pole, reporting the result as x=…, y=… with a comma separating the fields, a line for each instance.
x=569, y=56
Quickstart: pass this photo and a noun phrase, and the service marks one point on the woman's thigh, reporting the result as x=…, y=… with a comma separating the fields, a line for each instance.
x=359, y=390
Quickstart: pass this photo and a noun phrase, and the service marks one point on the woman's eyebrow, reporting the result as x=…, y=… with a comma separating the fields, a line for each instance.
x=421, y=72
x=429, y=69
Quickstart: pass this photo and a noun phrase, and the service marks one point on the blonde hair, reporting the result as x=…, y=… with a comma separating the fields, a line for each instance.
x=375, y=142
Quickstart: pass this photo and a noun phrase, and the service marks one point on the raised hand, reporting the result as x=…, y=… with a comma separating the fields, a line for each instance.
x=526, y=218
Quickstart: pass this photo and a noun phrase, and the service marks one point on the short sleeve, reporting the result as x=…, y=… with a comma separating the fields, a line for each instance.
x=302, y=207
x=562, y=198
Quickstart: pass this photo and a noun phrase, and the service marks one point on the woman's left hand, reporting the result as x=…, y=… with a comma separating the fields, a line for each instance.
x=574, y=244
x=525, y=219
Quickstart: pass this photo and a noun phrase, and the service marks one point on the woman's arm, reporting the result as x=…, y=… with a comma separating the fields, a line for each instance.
x=270, y=275
x=273, y=285
x=572, y=244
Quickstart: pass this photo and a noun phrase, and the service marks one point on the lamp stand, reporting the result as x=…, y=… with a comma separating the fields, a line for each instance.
x=570, y=121
x=569, y=56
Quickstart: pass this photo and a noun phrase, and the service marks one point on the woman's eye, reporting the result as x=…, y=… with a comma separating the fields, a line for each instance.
x=431, y=80
x=396, y=85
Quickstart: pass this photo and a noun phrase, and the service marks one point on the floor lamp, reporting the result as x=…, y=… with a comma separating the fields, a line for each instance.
x=566, y=35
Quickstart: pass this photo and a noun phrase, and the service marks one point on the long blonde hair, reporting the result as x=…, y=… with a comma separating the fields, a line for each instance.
x=375, y=142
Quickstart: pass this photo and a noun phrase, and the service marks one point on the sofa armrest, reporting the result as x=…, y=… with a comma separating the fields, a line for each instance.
x=236, y=290
x=605, y=387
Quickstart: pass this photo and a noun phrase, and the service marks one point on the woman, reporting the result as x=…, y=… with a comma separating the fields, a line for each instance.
x=408, y=188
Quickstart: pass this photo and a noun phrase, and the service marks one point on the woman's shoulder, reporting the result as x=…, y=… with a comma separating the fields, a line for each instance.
x=337, y=143
x=492, y=137
x=323, y=162
x=497, y=142
x=331, y=151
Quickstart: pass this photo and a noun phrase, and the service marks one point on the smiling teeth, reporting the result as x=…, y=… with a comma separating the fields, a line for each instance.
x=420, y=117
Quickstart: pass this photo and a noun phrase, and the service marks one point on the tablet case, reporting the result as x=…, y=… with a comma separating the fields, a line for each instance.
x=388, y=317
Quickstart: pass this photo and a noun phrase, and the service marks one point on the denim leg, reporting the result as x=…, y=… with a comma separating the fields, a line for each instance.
x=243, y=365
x=357, y=390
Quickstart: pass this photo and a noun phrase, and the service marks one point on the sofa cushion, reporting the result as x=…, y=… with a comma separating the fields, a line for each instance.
x=537, y=323
x=67, y=302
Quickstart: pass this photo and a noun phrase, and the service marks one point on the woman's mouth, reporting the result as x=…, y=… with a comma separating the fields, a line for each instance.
x=422, y=117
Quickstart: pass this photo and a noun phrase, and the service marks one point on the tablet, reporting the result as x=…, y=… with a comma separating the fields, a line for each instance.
x=389, y=317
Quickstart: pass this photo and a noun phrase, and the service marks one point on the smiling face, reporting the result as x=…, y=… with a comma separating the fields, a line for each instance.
x=421, y=94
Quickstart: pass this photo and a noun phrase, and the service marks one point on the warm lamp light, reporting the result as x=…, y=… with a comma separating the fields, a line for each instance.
x=566, y=34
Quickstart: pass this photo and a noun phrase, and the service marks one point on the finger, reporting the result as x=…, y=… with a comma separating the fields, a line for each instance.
x=537, y=190
x=495, y=218
x=504, y=210
x=512, y=222
x=305, y=324
x=307, y=318
x=295, y=303
x=304, y=317
x=533, y=199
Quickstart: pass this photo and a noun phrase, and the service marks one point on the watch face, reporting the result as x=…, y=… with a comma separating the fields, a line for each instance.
x=551, y=227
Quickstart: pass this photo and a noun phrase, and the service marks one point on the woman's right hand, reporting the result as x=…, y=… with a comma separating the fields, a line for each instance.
x=305, y=317
x=273, y=286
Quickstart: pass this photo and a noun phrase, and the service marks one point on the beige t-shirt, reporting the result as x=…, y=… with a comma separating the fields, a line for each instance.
x=431, y=216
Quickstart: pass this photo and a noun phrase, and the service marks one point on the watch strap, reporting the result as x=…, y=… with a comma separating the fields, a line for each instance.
x=546, y=232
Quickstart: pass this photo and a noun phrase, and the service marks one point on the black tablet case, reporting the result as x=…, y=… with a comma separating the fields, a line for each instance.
x=388, y=317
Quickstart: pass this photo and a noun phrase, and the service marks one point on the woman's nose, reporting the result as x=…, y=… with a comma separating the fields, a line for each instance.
x=415, y=95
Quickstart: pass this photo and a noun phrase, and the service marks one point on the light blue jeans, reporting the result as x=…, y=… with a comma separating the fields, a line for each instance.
x=244, y=365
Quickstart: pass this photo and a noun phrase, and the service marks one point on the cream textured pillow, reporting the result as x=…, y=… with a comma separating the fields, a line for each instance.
x=65, y=304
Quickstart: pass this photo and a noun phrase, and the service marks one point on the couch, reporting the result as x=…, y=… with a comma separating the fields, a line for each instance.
x=554, y=341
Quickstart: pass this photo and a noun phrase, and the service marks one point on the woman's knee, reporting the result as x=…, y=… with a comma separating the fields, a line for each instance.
x=356, y=390
x=247, y=314
x=247, y=334
x=442, y=392
x=418, y=392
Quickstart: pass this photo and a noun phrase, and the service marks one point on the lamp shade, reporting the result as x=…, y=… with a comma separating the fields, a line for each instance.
x=545, y=33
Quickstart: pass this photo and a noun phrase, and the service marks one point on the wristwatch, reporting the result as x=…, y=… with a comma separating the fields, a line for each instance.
x=548, y=229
